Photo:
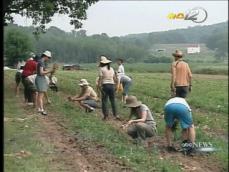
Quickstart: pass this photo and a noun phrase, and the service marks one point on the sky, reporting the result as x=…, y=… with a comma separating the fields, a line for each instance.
x=120, y=18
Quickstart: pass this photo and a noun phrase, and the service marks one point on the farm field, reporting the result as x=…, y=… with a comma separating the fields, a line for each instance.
x=198, y=68
x=83, y=142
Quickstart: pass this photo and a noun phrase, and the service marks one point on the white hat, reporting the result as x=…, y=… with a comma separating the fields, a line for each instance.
x=83, y=82
x=104, y=60
x=48, y=54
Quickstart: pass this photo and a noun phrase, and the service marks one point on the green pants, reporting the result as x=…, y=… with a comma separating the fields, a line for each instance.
x=141, y=130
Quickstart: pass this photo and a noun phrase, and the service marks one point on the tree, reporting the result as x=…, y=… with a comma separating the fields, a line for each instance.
x=41, y=11
x=219, y=43
x=18, y=45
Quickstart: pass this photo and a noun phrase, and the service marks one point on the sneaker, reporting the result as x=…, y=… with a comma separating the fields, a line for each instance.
x=40, y=110
x=30, y=104
x=117, y=118
x=44, y=113
x=91, y=109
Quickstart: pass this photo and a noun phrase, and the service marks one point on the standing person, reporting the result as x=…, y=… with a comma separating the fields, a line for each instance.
x=107, y=81
x=126, y=82
x=87, y=98
x=143, y=125
x=29, y=69
x=121, y=70
x=181, y=81
x=178, y=109
x=18, y=77
x=40, y=81
x=30, y=82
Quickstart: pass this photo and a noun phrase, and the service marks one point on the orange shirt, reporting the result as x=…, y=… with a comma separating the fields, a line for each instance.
x=181, y=73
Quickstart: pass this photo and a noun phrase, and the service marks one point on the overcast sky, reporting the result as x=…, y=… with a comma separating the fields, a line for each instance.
x=119, y=18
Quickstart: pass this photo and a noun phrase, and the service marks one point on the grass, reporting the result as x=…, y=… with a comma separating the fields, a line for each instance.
x=20, y=136
x=92, y=129
x=208, y=100
x=212, y=68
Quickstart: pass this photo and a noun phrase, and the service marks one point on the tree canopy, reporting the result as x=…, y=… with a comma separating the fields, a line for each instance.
x=17, y=46
x=41, y=11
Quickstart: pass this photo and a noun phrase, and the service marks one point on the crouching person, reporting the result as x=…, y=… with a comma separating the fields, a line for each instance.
x=87, y=98
x=144, y=125
x=178, y=109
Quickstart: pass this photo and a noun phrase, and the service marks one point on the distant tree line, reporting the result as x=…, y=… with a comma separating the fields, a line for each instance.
x=77, y=47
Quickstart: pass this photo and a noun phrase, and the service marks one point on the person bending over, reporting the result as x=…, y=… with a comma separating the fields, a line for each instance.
x=178, y=109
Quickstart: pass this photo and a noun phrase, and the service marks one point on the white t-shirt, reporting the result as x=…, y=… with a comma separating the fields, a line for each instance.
x=121, y=70
x=106, y=75
x=179, y=100
x=32, y=78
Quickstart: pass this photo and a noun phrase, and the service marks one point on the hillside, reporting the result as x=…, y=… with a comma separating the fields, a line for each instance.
x=78, y=47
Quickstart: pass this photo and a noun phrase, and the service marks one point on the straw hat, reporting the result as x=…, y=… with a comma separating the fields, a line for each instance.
x=32, y=55
x=48, y=54
x=83, y=82
x=178, y=53
x=132, y=101
x=104, y=60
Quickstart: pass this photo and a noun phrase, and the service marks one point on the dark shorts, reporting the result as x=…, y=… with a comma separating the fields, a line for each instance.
x=181, y=91
x=126, y=86
x=31, y=87
x=18, y=78
x=178, y=111
x=90, y=102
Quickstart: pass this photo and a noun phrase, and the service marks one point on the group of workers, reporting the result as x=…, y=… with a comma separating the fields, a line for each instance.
x=141, y=123
x=35, y=79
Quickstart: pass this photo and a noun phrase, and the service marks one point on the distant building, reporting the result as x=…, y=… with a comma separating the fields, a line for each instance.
x=71, y=67
x=159, y=50
x=193, y=49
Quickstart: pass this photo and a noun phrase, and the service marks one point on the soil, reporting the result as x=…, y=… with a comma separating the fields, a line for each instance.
x=75, y=155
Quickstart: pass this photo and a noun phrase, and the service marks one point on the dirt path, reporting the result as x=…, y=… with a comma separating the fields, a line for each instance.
x=75, y=155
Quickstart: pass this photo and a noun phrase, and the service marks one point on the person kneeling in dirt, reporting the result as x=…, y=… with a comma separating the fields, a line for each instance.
x=144, y=125
x=178, y=109
x=87, y=98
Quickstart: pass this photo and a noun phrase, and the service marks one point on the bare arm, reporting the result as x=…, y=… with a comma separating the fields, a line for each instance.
x=142, y=119
x=173, y=76
x=189, y=75
x=44, y=72
x=83, y=97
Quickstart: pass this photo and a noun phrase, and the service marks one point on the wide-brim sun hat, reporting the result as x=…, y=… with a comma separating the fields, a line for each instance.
x=48, y=54
x=83, y=82
x=178, y=53
x=104, y=60
x=132, y=101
